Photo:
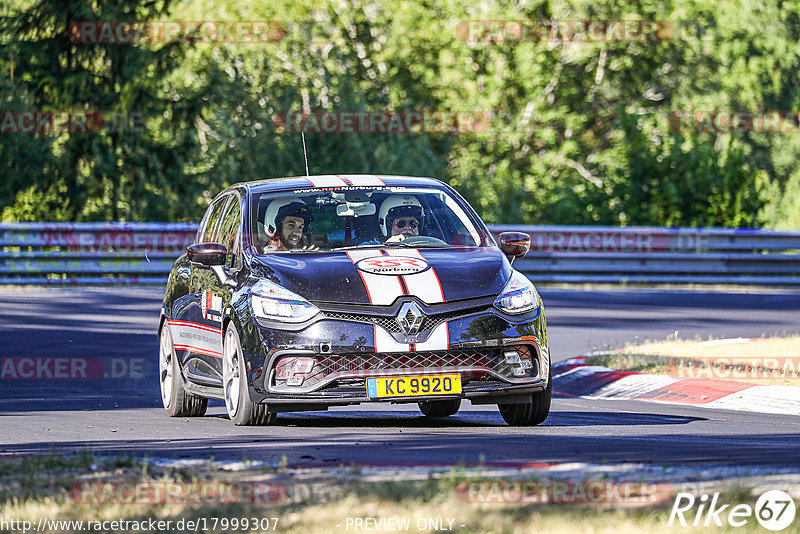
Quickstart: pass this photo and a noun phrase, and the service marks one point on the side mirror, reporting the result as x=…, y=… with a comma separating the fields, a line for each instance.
x=212, y=256
x=207, y=254
x=515, y=244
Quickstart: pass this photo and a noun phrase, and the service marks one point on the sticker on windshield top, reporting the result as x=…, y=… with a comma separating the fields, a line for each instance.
x=392, y=265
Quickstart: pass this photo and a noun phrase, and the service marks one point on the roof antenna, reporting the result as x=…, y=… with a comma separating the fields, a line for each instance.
x=305, y=156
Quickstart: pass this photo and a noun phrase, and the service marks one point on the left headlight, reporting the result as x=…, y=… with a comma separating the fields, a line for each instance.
x=518, y=296
x=275, y=303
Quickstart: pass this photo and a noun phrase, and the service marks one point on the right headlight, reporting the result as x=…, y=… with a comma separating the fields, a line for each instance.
x=275, y=303
x=518, y=296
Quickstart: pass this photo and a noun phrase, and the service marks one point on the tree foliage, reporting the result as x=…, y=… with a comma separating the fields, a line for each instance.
x=580, y=131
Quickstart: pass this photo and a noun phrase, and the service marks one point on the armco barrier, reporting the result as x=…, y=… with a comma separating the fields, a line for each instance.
x=142, y=253
x=578, y=254
x=91, y=253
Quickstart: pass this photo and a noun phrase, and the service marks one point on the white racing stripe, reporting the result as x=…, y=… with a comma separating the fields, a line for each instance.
x=345, y=180
x=424, y=285
x=196, y=337
x=384, y=342
x=382, y=290
x=363, y=179
x=327, y=181
x=439, y=340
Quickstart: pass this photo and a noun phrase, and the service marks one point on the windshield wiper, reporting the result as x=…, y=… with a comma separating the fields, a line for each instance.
x=395, y=244
x=352, y=247
x=420, y=245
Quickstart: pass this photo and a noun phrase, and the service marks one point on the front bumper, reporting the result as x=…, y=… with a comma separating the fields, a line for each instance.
x=339, y=350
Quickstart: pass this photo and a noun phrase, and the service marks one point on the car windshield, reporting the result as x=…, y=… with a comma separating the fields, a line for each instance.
x=316, y=219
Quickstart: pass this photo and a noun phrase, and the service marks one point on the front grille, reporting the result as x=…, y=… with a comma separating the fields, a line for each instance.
x=389, y=323
x=337, y=365
x=472, y=364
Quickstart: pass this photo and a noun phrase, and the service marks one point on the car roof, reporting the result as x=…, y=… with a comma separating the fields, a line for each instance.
x=337, y=181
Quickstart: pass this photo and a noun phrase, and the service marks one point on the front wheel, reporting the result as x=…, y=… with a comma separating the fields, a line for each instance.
x=176, y=401
x=530, y=414
x=241, y=410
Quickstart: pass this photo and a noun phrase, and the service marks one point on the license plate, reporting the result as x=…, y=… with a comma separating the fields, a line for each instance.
x=408, y=386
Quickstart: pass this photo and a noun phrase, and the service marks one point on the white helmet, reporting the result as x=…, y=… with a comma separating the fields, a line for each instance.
x=399, y=206
x=283, y=207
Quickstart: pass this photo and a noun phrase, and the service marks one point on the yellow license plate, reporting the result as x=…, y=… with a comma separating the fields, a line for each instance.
x=413, y=386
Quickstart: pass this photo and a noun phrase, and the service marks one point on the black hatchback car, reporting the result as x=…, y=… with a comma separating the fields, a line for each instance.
x=309, y=292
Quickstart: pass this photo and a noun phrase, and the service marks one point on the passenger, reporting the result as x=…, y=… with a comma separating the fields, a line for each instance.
x=286, y=221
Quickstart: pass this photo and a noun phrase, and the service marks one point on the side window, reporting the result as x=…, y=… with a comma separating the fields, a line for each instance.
x=211, y=221
x=229, y=230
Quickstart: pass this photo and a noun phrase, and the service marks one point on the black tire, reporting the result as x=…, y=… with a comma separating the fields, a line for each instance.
x=440, y=408
x=174, y=397
x=241, y=410
x=530, y=414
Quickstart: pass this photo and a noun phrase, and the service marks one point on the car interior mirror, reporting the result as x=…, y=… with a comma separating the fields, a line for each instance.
x=514, y=244
x=355, y=209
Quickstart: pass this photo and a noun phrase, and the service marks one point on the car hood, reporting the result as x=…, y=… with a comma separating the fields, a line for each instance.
x=340, y=277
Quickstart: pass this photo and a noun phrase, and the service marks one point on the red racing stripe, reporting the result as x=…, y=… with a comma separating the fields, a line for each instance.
x=403, y=286
x=199, y=350
x=441, y=289
x=363, y=281
x=199, y=326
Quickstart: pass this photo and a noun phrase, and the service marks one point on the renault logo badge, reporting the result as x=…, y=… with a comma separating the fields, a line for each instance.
x=410, y=318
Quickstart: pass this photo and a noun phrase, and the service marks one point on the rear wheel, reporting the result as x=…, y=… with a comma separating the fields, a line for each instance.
x=241, y=410
x=530, y=414
x=176, y=401
x=440, y=408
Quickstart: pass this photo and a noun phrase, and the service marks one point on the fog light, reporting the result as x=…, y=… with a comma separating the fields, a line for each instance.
x=518, y=371
x=511, y=357
x=303, y=366
x=294, y=368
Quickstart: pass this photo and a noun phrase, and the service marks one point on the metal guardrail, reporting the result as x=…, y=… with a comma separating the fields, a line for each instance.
x=143, y=253
x=91, y=253
x=579, y=254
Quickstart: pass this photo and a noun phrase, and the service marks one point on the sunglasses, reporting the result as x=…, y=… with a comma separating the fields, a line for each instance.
x=401, y=223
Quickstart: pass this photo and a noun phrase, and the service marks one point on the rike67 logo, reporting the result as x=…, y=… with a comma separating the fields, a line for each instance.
x=774, y=510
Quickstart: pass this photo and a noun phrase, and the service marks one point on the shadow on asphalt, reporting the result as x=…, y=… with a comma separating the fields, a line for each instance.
x=337, y=449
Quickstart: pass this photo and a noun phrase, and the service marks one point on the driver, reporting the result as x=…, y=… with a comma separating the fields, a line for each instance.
x=400, y=217
x=286, y=220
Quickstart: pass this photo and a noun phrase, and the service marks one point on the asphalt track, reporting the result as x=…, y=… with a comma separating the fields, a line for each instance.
x=119, y=410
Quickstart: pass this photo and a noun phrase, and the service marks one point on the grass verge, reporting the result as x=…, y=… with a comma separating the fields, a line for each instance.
x=311, y=503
